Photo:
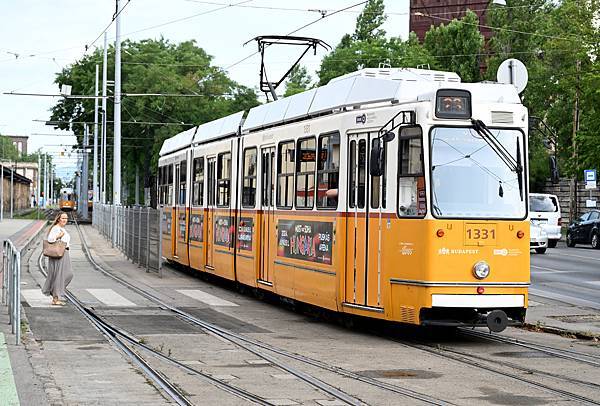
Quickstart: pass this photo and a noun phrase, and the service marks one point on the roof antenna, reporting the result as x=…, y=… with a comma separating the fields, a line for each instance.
x=264, y=41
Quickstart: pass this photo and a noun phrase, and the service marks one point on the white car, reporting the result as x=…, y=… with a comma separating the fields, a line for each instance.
x=544, y=211
x=538, y=239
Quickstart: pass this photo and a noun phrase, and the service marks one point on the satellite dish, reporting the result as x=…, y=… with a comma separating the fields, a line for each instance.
x=513, y=72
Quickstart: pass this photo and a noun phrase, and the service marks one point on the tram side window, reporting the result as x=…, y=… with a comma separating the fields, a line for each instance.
x=305, y=173
x=182, y=182
x=375, y=202
x=249, y=186
x=223, y=179
x=357, y=173
x=285, y=175
x=169, y=185
x=198, y=180
x=328, y=170
x=411, y=178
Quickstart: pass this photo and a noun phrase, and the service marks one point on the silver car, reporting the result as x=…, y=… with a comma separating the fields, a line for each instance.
x=538, y=239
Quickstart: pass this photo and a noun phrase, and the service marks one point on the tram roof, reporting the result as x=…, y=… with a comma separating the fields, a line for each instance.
x=223, y=127
x=366, y=86
x=178, y=141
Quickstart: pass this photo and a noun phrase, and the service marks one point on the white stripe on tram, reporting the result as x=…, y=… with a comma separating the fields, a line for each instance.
x=205, y=297
x=110, y=298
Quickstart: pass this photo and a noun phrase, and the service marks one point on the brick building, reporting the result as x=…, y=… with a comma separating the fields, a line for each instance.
x=425, y=13
x=21, y=194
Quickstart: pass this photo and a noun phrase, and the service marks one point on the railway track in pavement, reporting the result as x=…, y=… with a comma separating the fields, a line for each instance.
x=264, y=351
x=126, y=343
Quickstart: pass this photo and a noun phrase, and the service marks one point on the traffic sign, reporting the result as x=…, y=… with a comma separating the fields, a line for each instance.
x=589, y=175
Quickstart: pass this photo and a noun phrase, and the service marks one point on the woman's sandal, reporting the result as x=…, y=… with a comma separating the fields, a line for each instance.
x=58, y=303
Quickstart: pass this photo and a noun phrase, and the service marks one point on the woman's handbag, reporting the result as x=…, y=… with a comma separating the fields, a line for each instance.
x=54, y=249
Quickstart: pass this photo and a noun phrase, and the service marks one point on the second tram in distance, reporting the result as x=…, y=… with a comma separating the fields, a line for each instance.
x=398, y=194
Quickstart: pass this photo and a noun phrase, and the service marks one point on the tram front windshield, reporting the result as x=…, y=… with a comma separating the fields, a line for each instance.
x=470, y=180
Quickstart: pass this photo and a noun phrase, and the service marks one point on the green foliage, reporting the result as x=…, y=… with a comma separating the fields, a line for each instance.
x=298, y=82
x=368, y=48
x=552, y=39
x=369, y=22
x=457, y=46
x=7, y=150
x=152, y=66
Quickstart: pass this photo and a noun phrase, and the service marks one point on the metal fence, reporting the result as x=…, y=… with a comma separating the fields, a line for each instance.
x=134, y=230
x=11, y=286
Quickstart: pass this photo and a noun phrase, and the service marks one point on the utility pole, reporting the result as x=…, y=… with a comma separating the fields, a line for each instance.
x=95, y=173
x=104, y=115
x=117, y=133
x=39, y=187
x=12, y=189
x=574, y=209
x=45, y=180
x=137, y=185
x=51, y=195
x=84, y=173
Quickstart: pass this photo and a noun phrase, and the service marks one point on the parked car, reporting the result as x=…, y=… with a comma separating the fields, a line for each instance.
x=538, y=239
x=585, y=230
x=544, y=211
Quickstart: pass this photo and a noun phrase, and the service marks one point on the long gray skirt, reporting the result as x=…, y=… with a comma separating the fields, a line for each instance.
x=59, y=276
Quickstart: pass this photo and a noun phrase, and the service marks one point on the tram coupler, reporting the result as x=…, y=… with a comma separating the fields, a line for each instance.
x=496, y=320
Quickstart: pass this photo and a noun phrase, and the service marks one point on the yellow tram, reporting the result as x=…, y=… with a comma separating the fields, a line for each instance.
x=67, y=200
x=398, y=194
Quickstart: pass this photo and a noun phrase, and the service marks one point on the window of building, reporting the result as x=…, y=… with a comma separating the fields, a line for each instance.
x=285, y=175
x=411, y=179
x=223, y=179
x=306, y=163
x=249, y=178
x=198, y=182
x=328, y=170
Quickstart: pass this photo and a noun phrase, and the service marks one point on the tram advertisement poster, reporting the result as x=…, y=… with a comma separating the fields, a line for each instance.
x=166, y=219
x=306, y=240
x=245, y=231
x=196, y=222
x=181, y=224
x=224, y=231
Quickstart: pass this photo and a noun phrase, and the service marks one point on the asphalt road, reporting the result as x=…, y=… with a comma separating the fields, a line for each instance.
x=570, y=275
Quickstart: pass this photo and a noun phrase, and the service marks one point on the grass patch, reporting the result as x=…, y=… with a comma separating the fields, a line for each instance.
x=31, y=214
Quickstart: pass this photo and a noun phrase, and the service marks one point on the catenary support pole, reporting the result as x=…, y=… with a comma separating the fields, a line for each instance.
x=38, y=185
x=117, y=113
x=45, y=179
x=104, y=119
x=84, y=172
x=137, y=185
x=12, y=189
x=95, y=173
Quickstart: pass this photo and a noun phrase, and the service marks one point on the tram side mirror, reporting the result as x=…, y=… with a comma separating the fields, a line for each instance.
x=554, y=175
x=376, y=161
x=388, y=136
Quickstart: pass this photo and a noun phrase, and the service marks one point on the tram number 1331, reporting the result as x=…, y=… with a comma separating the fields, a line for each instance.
x=480, y=234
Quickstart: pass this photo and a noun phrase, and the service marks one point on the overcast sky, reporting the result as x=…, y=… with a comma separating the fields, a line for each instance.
x=40, y=37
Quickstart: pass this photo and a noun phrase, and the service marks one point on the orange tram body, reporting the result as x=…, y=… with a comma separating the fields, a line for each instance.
x=67, y=200
x=398, y=194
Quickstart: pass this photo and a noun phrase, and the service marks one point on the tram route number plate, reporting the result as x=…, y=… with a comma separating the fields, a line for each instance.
x=480, y=234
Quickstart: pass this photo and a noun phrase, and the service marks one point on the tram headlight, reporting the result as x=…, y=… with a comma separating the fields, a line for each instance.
x=453, y=104
x=481, y=270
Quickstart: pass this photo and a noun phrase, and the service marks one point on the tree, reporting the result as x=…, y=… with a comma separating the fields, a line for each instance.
x=8, y=151
x=457, y=46
x=369, y=22
x=368, y=47
x=152, y=66
x=298, y=82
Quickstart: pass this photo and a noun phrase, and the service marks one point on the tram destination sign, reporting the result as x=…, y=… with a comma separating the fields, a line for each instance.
x=305, y=240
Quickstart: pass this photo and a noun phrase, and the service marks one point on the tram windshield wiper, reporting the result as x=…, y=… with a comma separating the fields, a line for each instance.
x=513, y=164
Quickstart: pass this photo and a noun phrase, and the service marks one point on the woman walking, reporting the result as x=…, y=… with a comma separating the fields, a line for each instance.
x=59, y=269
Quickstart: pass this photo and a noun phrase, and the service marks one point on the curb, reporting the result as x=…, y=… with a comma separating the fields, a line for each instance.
x=582, y=335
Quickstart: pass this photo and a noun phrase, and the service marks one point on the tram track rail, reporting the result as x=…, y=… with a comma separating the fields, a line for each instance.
x=589, y=359
x=487, y=365
x=248, y=344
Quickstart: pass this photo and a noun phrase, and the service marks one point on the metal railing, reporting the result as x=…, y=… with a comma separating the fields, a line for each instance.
x=136, y=230
x=11, y=286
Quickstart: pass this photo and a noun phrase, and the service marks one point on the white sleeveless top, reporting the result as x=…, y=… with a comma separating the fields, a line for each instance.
x=55, y=231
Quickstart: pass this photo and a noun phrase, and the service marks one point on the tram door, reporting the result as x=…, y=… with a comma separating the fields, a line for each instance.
x=211, y=204
x=176, y=210
x=361, y=253
x=267, y=224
